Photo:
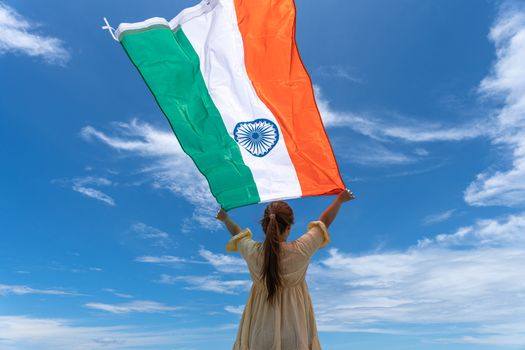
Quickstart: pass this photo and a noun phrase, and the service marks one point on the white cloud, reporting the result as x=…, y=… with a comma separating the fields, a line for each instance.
x=224, y=263
x=338, y=72
x=166, y=260
x=238, y=310
x=208, y=283
x=221, y=262
x=93, y=193
x=438, y=217
x=372, y=154
x=167, y=166
x=158, y=237
x=23, y=332
x=6, y=289
x=401, y=129
x=506, y=83
x=503, y=335
x=421, y=151
x=118, y=294
x=142, y=306
x=17, y=36
x=85, y=185
x=508, y=231
x=472, y=280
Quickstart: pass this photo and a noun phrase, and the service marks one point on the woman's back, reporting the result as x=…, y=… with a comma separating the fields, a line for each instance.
x=288, y=322
x=279, y=314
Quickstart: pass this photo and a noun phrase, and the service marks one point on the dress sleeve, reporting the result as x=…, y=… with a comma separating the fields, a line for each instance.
x=241, y=242
x=316, y=237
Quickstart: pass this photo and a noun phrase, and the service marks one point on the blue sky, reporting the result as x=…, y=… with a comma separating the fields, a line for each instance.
x=108, y=237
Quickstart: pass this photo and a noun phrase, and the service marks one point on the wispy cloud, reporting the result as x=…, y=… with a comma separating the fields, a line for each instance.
x=118, y=294
x=339, y=72
x=506, y=84
x=93, y=193
x=397, y=127
x=472, y=280
x=158, y=237
x=224, y=263
x=169, y=260
x=373, y=154
x=438, y=217
x=141, y=306
x=507, y=231
x=421, y=151
x=22, y=332
x=17, y=35
x=85, y=185
x=166, y=165
x=221, y=262
x=210, y=283
x=6, y=289
x=238, y=310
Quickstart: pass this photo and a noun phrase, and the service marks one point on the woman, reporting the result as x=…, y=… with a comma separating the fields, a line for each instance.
x=279, y=314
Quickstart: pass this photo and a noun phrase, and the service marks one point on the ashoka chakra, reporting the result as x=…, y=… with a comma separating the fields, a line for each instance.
x=258, y=137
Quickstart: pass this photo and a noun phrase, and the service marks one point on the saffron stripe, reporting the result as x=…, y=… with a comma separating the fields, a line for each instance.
x=281, y=81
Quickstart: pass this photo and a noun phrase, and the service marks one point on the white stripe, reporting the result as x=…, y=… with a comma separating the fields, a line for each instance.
x=215, y=36
x=155, y=21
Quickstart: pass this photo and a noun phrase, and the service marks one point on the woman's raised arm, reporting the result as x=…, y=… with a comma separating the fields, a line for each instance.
x=331, y=212
x=223, y=216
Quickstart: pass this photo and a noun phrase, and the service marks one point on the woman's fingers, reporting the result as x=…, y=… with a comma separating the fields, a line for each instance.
x=346, y=195
x=221, y=215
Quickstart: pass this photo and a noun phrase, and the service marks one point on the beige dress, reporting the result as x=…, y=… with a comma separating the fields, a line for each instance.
x=290, y=323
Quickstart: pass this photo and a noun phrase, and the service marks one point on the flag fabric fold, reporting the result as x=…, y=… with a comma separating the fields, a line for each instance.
x=228, y=76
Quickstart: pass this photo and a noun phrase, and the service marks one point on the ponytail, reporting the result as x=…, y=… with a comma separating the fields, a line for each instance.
x=278, y=216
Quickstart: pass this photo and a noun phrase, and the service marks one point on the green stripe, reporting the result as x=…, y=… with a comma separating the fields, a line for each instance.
x=170, y=67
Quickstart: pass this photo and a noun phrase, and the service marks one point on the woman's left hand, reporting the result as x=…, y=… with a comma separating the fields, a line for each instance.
x=222, y=215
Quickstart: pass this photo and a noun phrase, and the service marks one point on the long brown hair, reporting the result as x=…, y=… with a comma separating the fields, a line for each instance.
x=278, y=216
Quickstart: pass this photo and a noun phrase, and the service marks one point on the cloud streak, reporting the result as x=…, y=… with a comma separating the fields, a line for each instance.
x=136, y=306
x=166, y=165
x=374, y=154
x=158, y=237
x=6, y=289
x=86, y=186
x=508, y=231
x=505, y=84
x=116, y=293
x=408, y=130
x=224, y=263
x=211, y=283
x=95, y=194
x=237, y=310
x=22, y=332
x=438, y=217
x=17, y=36
x=339, y=72
x=170, y=260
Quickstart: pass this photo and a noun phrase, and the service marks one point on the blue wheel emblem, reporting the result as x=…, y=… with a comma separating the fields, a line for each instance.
x=258, y=137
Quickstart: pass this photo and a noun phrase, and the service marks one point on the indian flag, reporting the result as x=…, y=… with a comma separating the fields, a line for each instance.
x=228, y=76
